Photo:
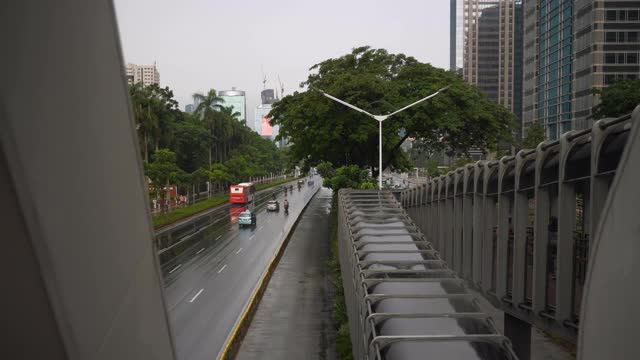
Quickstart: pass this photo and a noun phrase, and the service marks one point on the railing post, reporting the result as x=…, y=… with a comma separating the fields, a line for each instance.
x=520, y=221
x=566, y=226
x=457, y=225
x=467, y=225
x=540, y=246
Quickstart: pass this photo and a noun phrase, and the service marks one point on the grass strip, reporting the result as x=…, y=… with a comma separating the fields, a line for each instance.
x=340, y=317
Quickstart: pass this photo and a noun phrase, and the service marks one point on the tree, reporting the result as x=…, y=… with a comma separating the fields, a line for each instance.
x=379, y=82
x=219, y=174
x=198, y=177
x=325, y=169
x=351, y=176
x=535, y=134
x=207, y=108
x=155, y=111
x=618, y=99
x=191, y=143
x=163, y=169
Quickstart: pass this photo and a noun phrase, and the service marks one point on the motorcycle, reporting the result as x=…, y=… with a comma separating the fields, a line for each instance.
x=286, y=207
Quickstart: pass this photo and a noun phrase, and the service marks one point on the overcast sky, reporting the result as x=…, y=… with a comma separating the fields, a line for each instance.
x=204, y=44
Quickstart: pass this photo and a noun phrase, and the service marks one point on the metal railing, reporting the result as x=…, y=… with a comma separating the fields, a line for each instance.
x=403, y=301
x=535, y=273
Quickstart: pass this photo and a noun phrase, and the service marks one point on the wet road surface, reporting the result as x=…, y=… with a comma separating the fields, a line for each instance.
x=210, y=280
x=293, y=320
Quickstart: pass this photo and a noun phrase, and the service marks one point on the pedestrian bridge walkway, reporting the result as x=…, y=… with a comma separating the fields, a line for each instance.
x=403, y=300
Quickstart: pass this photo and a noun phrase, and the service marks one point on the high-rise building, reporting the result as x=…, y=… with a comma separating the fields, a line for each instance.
x=571, y=48
x=237, y=100
x=548, y=54
x=606, y=46
x=261, y=120
x=486, y=41
x=145, y=74
x=188, y=108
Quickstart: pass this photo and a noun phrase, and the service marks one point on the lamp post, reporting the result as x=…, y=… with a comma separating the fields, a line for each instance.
x=380, y=119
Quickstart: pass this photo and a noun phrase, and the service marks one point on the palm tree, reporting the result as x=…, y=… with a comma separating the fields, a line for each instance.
x=146, y=119
x=208, y=107
x=230, y=128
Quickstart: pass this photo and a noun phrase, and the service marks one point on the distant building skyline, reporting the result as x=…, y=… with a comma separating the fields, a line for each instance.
x=486, y=48
x=145, y=74
x=237, y=100
x=261, y=120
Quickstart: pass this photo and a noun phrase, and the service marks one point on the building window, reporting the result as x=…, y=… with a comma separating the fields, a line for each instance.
x=610, y=58
x=632, y=58
x=632, y=15
x=610, y=37
x=611, y=15
x=621, y=36
x=632, y=36
x=622, y=15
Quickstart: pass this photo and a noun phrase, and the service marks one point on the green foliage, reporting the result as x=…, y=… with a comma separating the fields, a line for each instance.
x=163, y=169
x=618, y=99
x=347, y=177
x=200, y=143
x=325, y=169
x=462, y=161
x=368, y=185
x=156, y=112
x=379, y=82
x=191, y=143
x=433, y=168
x=535, y=134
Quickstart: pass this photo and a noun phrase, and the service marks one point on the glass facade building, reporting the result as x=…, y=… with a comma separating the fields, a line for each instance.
x=572, y=47
x=237, y=100
x=554, y=68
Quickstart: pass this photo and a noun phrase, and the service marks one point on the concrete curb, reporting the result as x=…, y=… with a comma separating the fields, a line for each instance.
x=233, y=342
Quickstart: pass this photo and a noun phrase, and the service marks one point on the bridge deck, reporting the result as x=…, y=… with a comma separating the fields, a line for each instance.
x=403, y=300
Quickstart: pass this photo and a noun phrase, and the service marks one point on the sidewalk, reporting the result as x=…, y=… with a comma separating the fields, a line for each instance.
x=542, y=347
x=293, y=320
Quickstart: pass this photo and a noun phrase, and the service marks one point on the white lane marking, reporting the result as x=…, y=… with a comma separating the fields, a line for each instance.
x=196, y=296
x=199, y=251
x=222, y=268
x=252, y=236
x=218, y=238
x=175, y=268
x=260, y=228
x=239, y=251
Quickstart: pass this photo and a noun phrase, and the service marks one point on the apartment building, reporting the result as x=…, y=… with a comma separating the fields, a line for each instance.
x=145, y=74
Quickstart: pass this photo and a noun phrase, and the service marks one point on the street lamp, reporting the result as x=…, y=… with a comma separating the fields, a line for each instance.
x=380, y=119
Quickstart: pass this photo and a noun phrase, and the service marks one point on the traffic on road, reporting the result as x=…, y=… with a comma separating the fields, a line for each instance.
x=209, y=283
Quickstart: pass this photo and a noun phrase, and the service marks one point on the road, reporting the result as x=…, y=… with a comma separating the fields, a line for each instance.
x=211, y=280
x=293, y=320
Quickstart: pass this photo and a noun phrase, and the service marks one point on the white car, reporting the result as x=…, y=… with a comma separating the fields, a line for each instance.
x=273, y=205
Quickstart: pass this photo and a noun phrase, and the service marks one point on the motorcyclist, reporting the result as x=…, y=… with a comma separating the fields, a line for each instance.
x=286, y=205
x=273, y=196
